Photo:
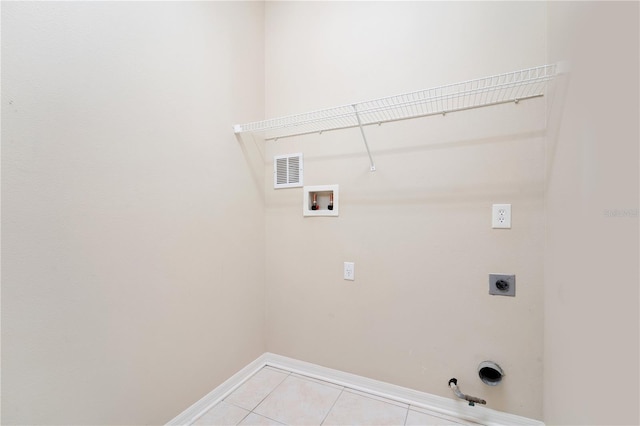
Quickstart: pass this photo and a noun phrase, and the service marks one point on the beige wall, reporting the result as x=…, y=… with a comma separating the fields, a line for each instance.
x=418, y=229
x=129, y=216
x=135, y=226
x=591, y=257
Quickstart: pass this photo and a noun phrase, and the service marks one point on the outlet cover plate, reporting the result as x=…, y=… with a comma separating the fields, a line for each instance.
x=501, y=216
x=502, y=285
x=349, y=271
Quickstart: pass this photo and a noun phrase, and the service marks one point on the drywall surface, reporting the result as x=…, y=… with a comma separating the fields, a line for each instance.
x=419, y=228
x=591, y=326
x=129, y=214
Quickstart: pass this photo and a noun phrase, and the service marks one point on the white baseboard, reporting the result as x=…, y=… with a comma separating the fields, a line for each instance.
x=446, y=406
x=205, y=403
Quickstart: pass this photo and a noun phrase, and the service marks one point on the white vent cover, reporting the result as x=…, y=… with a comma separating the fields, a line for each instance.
x=287, y=171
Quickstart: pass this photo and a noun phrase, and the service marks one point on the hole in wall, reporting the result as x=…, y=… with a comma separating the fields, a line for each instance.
x=490, y=373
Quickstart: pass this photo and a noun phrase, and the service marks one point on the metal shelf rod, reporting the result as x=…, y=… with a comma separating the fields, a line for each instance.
x=372, y=166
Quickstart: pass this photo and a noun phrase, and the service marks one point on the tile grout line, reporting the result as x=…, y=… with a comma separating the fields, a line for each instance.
x=209, y=406
x=355, y=391
x=332, y=405
x=272, y=390
x=267, y=417
x=420, y=402
x=343, y=389
x=246, y=415
x=321, y=382
x=287, y=374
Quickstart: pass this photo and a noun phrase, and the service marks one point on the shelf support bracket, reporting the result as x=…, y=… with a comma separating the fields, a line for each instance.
x=371, y=163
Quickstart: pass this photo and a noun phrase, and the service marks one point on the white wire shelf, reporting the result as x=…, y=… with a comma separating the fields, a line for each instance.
x=498, y=89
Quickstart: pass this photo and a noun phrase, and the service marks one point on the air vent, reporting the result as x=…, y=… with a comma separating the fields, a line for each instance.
x=287, y=171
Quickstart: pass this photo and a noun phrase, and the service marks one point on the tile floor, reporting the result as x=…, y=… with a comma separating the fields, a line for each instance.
x=277, y=397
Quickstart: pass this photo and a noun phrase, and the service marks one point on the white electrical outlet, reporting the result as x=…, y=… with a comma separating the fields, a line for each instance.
x=501, y=216
x=349, y=271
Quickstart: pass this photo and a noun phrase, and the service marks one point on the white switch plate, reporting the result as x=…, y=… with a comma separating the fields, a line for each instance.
x=349, y=271
x=501, y=216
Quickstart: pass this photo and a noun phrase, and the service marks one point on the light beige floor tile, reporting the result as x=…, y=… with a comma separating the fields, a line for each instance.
x=255, y=389
x=298, y=402
x=354, y=409
x=222, y=414
x=254, y=419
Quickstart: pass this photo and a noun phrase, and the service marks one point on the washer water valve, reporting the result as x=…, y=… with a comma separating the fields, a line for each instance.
x=453, y=384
